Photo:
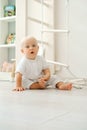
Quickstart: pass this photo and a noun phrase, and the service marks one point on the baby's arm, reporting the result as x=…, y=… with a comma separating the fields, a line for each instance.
x=46, y=75
x=18, y=86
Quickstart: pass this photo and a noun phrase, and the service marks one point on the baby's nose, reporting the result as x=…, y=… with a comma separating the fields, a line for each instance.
x=31, y=47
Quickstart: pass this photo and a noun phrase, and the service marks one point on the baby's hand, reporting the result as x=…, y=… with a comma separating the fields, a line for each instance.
x=19, y=89
x=42, y=81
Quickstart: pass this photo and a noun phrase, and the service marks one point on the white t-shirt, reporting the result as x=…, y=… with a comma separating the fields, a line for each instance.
x=32, y=69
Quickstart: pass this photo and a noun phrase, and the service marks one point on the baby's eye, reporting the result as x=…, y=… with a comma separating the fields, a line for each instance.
x=33, y=45
x=27, y=46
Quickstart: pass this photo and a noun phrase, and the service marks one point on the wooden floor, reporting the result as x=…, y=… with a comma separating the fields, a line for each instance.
x=48, y=109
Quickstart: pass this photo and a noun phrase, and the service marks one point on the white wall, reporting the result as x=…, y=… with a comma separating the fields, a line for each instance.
x=29, y=22
x=72, y=48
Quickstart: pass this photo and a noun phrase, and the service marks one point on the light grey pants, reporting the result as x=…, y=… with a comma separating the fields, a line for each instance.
x=51, y=82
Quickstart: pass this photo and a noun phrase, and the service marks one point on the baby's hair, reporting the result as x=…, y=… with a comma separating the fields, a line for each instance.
x=28, y=39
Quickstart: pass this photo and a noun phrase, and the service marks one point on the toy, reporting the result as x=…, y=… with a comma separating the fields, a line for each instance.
x=10, y=38
x=9, y=10
x=8, y=67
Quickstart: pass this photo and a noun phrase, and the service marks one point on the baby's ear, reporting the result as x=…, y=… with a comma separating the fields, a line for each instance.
x=22, y=51
x=38, y=47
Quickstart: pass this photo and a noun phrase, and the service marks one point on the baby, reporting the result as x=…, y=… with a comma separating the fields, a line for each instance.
x=33, y=71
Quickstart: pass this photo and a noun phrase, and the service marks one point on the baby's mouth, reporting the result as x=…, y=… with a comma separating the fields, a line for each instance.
x=32, y=52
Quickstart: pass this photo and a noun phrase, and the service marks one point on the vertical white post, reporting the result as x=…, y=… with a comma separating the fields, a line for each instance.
x=21, y=24
x=67, y=22
x=42, y=46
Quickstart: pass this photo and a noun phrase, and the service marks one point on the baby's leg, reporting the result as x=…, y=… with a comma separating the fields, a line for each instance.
x=36, y=85
x=64, y=86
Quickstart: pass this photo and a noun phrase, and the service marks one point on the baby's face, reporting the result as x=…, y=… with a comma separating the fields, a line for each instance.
x=30, y=48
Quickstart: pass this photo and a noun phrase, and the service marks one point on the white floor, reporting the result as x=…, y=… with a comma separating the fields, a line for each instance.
x=49, y=109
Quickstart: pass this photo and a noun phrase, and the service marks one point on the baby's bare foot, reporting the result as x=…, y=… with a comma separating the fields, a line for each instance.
x=65, y=86
x=68, y=86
